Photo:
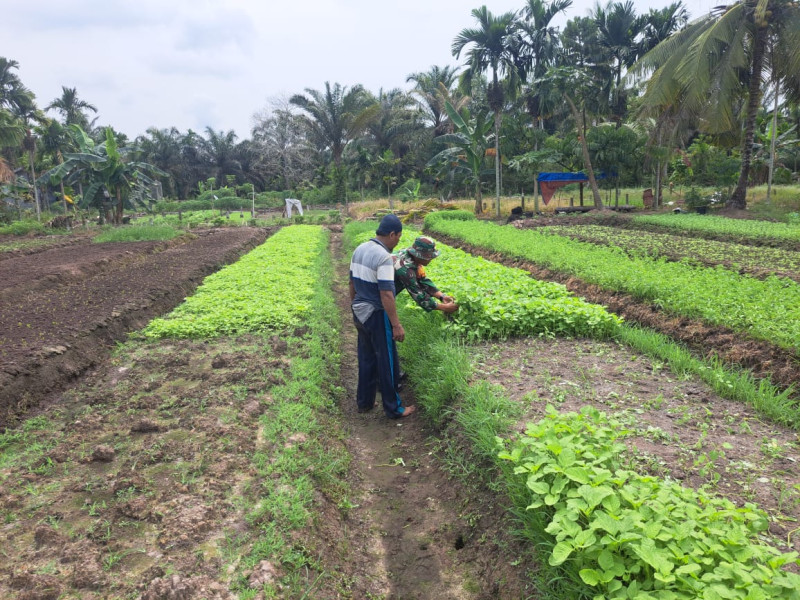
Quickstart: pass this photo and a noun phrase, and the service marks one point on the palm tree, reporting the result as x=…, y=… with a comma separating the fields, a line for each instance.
x=574, y=86
x=541, y=45
x=28, y=113
x=434, y=88
x=619, y=32
x=720, y=57
x=494, y=46
x=659, y=24
x=222, y=154
x=72, y=108
x=11, y=134
x=13, y=95
x=333, y=119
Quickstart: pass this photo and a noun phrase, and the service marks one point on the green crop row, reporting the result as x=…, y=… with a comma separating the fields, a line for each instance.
x=694, y=250
x=633, y=537
x=267, y=289
x=744, y=228
x=765, y=309
x=498, y=302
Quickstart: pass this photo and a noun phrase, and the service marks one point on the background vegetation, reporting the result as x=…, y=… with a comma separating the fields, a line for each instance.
x=624, y=96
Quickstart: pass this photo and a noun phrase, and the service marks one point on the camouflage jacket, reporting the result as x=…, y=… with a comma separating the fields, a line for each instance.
x=411, y=277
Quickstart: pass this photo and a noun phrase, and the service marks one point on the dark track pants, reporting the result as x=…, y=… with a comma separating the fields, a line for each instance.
x=378, y=365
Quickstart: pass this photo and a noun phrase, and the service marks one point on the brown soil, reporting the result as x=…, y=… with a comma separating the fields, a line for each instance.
x=764, y=359
x=682, y=429
x=63, y=308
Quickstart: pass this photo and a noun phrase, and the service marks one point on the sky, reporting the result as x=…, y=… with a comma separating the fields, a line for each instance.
x=193, y=64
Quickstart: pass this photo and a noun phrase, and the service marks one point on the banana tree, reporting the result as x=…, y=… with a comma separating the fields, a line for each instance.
x=103, y=170
x=468, y=147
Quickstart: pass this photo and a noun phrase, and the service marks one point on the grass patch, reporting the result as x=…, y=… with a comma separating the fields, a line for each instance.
x=25, y=227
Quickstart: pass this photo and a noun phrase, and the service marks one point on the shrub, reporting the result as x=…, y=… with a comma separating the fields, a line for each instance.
x=449, y=215
x=23, y=228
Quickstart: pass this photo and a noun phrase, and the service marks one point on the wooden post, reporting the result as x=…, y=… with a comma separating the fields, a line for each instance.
x=571, y=201
x=581, y=191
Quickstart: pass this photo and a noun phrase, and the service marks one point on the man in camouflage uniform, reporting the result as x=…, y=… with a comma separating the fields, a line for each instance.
x=409, y=274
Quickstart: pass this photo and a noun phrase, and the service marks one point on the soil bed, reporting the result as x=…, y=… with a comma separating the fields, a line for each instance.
x=61, y=312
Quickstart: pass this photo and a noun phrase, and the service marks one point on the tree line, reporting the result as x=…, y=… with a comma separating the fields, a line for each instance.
x=639, y=99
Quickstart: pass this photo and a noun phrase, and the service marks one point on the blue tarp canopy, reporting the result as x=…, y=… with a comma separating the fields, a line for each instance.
x=568, y=177
x=550, y=182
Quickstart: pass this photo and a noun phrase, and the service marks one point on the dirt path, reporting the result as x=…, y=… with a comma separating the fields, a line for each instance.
x=422, y=533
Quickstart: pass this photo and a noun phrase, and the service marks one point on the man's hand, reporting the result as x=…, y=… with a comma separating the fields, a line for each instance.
x=446, y=299
x=447, y=307
x=398, y=333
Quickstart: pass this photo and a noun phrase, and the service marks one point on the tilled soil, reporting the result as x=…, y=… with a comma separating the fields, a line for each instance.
x=764, y=359
x=63, y=308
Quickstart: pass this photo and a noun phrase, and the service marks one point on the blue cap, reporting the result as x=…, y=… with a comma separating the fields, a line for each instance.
x=389, y=224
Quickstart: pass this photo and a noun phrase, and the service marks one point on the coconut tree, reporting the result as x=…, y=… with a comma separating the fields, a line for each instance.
x=721, y=57
x=72, y=108
x=333, y=118
x=494, y=46
x=575, y=86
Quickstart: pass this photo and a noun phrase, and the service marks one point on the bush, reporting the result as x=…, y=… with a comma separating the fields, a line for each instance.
x=137, y=233
x=23, y=228
x=782, y=176
x=694, y=199
x=449, y=215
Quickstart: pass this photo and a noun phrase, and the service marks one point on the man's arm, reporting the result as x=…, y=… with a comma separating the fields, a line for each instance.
x=389, y=305
x=352, y=291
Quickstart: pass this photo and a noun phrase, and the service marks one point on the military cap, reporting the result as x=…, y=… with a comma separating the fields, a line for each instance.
x=424, y=248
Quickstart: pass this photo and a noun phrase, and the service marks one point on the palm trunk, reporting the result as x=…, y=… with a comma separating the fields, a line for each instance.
x=598, y=202
x=478, y=198
x=497, y=158
x=774, y=140
x=35, y=187
x=739, y=196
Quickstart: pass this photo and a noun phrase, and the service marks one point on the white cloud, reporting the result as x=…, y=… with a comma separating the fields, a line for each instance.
x=198, y=63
